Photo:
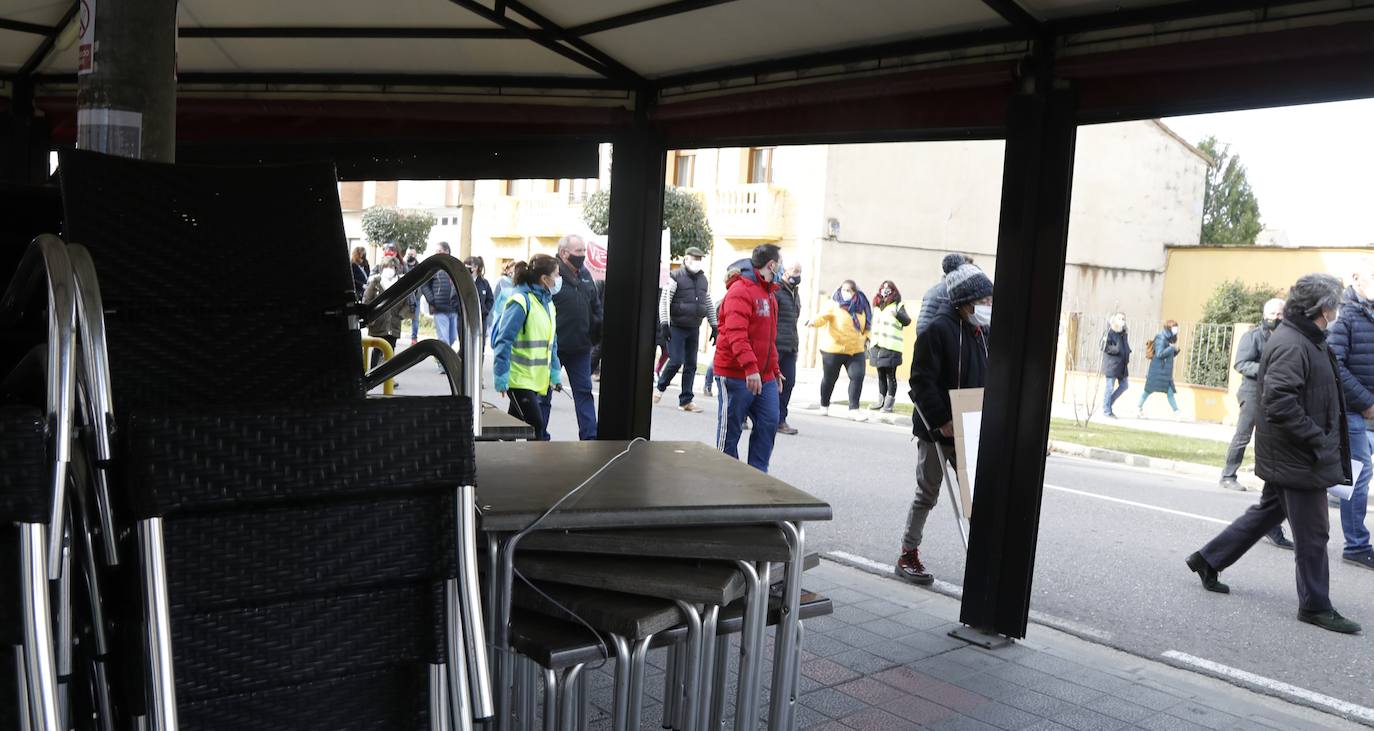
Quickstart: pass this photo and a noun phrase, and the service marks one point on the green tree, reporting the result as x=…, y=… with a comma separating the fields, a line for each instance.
x=406, y=229
x=1236, y=302
x=683, y=216
x=1231, y=303
x=1230, y=211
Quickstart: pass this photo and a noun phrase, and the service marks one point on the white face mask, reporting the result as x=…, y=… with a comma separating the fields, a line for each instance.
x=1118, y=324
x=388, y=277
x=982, y=315
x=1173, y=330
x=693, y=264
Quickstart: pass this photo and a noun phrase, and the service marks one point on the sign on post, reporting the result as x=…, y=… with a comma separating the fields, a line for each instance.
x=85, y=62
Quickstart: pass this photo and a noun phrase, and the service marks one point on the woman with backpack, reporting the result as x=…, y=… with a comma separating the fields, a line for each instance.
x=524, y=342
x=1160, y=378
x=889, y=319
x=1116, y=357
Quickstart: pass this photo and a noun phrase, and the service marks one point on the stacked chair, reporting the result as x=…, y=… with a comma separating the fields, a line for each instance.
x=234, y=535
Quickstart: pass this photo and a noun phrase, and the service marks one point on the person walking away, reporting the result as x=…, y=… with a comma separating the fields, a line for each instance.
x=388, y=326
x=358, y=263
x=843, y=342
x=525, y=365
x=789, y=340
x=683, y=303
x=1352, y=340
x=579, y=326
x=951, y=354
x=1116, y=358
x=889, y=322
x=444, y=306
x=1301, y=448
x=1160, y=377
x=936, y=299
x=485, y=296
x=731, y=275
x=748, y=380
x=411, y=261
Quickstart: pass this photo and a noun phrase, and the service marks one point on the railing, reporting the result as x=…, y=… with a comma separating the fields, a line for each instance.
x=545, y=215
x=1204, y=348
x=749, y=211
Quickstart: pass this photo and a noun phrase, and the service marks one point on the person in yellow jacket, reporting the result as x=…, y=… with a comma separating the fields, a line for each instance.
x=525, y=343
x=889, y=318
x=844, y=326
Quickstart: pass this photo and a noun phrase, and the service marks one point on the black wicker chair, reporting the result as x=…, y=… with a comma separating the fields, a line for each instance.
x=286, y=577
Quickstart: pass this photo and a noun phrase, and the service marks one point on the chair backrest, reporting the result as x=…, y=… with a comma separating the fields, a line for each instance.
x=217, y=279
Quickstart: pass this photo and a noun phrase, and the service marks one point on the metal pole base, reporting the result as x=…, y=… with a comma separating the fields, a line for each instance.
x=984, y=638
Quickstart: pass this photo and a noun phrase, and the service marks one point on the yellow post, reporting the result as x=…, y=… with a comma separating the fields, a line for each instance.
x=388, y=388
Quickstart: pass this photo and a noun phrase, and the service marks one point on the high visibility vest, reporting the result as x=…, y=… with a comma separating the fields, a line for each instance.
x=887, y=331
x=532, y=354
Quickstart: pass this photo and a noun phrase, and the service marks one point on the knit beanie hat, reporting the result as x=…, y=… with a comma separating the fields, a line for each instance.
x=952, y=262
x=966, y=284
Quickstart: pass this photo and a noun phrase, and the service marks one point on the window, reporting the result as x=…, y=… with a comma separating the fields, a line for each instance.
x=761, y=164
x=684, y=169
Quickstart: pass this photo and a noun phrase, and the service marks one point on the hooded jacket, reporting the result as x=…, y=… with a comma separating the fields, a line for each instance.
x=1351, y=338
x=952, y=353
x=1301, y=442
x=747, y=342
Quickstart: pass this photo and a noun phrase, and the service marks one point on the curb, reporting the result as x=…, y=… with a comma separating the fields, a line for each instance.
x=874, y=417
x=1139, y=460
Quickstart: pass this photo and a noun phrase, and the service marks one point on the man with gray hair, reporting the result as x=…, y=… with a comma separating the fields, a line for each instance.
x=1301, y=449
x=579, y=328
x=1352, y=340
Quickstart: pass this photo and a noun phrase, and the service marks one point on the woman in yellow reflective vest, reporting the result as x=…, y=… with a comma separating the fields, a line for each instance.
x=889, y=318
x=524, y=343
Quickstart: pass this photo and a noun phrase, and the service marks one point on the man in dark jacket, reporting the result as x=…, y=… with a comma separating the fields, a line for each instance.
x=579, y=327
x=683, y=302
x=1352, y=340
x=953, y=353
x=444, y=305
x=789, y=342
x=1116, y=359
x=936, y=299
x=1301, y=449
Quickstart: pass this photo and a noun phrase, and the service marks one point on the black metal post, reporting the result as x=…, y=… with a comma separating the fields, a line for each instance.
x=632, y=263
x=1032, y=240
x=24, y=139
x=127, y=103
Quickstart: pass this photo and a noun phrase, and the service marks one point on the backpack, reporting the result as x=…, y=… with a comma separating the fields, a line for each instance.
x=1150, y=349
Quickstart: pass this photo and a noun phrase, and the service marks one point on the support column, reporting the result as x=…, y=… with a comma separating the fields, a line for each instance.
x=466, y=190
x=127, y=103
x=632, y=263
x=24, y=139
x=1031, y=245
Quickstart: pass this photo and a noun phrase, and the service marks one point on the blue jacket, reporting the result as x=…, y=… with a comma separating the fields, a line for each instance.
x=1160, y=376
x=507, y=329
x=1351, y=339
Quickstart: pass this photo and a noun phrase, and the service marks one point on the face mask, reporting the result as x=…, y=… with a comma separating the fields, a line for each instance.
x=692, y=265
x=886, y=291
x=1271, y=324
x=794, y=280
x=557, y=285
x=1118, y=325
x=576, y=261
x=388, y=277
x=1173, y=331
x=982, y=315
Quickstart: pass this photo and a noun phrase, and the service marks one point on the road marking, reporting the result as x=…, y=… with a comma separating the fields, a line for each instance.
x=1135, y=504
x=1325, y=701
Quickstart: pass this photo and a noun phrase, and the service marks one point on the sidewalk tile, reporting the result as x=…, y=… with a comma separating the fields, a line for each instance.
x=1037, y=703
x=1118, y=708
x=822, y=645
x=882, y=607
x=888, y=629
x=988, y=686
x=1004, y=716
x=852, y=614
x=962, y=723
x=1165, y=722
x=915, y=709
x=940, y=666
x=856, y=636
x=876, y=719
x=870, y=690
x=861, y=662
x=804, y=717
x=827, y=671
x=977, y=658
x=832, y=703
x=899, y=652
x=1152, y=699
x=1204, y=716
x=1082, y=719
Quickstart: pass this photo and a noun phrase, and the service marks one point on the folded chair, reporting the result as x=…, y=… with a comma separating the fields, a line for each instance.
x=291, y=553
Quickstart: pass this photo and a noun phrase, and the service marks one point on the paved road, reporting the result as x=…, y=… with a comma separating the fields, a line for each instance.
x=1111, y=570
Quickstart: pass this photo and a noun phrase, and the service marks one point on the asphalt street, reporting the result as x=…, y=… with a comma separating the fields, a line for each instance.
x=1109, y=564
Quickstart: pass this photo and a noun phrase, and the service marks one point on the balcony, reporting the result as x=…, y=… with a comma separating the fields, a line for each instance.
x=495, y=217
x=547, y=215
x=748, y=212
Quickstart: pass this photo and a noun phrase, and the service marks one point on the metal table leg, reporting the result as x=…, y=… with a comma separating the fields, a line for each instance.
x=670, y=687
x=440, y=714
x=523, y=692
x=786, y=647
x=550, y=700
x=718, y=678
x=567, y=713
x=751, y=644
x=689, y=679
x=505, y=579
x=621, y=711
x=705, y=685
x=636, y=705
x=583, y=691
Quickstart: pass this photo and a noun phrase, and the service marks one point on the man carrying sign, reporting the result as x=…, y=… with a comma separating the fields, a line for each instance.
x=952, y=353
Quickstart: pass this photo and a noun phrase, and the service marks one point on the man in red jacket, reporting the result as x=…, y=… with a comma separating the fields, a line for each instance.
x=747, y=377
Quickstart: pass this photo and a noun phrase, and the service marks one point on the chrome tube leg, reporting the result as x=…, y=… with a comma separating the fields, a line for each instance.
x=796, y=666
x=94, y=366
x=526, y=685
x=567, y=712
x=104, y=706
x=679, y=672
x=550, y=700
x=459, y=702
x=440, y=714
x=636, y=706
x=505, y=581
x=22, y=686
x=751, y=645
x=583, y=709
x=40, y=672
x=785, y=648
x=621, y=705
x=705, y=684
x=162, y=709
x=470, y=604
x=669, y=685
x=689, y=678
x=718, y=678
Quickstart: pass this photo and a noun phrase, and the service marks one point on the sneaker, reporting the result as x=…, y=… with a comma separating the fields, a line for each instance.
x=889, y=404
x=1330, y=620
x=707, y=389
x=689, y=406
x=1365, y=559
x=1208, y=574
x=1109, y=415
x=658, y=395
x=1277, y=538
x=783, y=428
x=858, y=415
x=876, y=405
x=1231, y=483
x=1178, y=416
x=910, y=568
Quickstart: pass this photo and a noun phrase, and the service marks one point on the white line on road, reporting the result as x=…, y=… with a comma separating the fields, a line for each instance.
x=1135, y=504
x=1325, y=701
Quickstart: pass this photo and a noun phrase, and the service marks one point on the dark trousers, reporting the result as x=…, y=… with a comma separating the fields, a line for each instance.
x=682, y=353
x=787, y=363
x=887, y=382
x=1245, y=428
x=1306, y=511
x=831, y=363
x=578, y=366
x=527, y=406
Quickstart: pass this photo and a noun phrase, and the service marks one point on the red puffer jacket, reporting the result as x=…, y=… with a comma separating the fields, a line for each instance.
x=747, y=340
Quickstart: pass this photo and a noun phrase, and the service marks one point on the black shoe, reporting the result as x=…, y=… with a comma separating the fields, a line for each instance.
x=1231, y=483
x=1364, y=559
x=1330, y=620
x=1277, y=538
x=783, y=428
x=909, y=567
x=1208, y=574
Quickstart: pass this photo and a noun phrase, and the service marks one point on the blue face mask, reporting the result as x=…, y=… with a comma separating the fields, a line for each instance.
x=557, y=286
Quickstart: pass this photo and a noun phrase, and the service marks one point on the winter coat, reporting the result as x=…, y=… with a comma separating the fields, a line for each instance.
x=579, y=310
x=838, y=334
x=1248, y=354
x=1351, y=338
x=486, y=298
x=935, y=301
x=1116, y=353
x=879, y=356
x=1301, y=442
x=388, y=324
x=685, y=300
x=747, y=342
x=360, y=277
x=509, y=323
x=951, y=354
x=1160, y=376
x=789, y=312
x=441, y=294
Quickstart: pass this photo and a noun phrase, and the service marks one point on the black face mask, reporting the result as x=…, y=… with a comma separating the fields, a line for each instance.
x=1271, y=324
x=794, y=280
x=576, y=261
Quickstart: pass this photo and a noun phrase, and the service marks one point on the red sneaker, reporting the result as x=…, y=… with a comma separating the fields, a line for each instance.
x=910, y=568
